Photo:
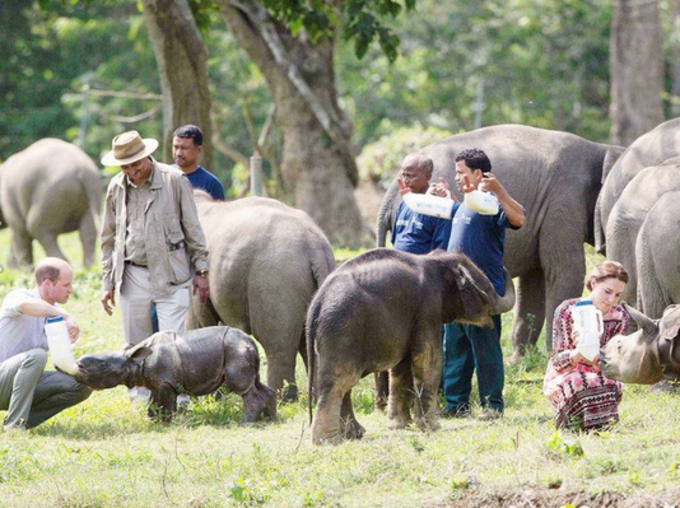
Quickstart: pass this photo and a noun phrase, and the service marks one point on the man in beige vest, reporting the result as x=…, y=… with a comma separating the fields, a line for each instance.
x=153, y=247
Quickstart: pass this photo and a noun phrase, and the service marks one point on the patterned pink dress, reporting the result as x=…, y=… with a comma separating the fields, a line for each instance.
x=583, y=397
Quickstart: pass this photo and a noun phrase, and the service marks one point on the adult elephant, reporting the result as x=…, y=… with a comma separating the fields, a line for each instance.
x=658, y=256
x=266, y=262
x=51, y=187
x=628, y=215
x=650, y=149
x=556, y=176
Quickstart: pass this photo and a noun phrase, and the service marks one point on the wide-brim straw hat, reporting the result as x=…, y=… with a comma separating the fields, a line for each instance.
x=129, y=147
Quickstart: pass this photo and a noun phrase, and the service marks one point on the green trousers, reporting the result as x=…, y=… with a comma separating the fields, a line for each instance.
x=31, y=395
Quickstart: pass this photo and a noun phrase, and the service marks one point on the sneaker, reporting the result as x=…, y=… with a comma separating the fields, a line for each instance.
x=458, y=412
x=139, y=395
x=489, y=414
x=183, y=402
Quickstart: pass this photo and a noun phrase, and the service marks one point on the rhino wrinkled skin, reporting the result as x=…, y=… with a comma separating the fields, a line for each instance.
x=197, y=362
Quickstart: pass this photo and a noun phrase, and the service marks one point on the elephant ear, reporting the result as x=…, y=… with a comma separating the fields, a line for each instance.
x=670, y=322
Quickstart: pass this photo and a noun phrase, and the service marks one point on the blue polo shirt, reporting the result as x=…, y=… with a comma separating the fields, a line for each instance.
x=482, y=239
x=417, y=233
x=204, y=180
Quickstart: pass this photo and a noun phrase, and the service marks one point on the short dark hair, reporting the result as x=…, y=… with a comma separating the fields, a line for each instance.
x=190, y=131
x=47, y=272
x=475, y=159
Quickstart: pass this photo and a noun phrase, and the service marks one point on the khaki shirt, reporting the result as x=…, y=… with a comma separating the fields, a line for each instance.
x=174, y=242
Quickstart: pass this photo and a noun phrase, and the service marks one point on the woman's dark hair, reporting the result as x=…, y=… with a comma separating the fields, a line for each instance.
x=475, y=159
x=607, y=270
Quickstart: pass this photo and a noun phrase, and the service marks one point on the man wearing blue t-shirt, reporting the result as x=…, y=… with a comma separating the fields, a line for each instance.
x=482, y=238
x=412, y=231
x=187, y=146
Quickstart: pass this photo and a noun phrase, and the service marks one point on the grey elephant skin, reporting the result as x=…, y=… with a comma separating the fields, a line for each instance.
x=640, y=222
x=197, y=363
x=650, y=149
x=51, y=187
x=556, y=176
x=266, y=262
x=649, y=355
x=383, y=310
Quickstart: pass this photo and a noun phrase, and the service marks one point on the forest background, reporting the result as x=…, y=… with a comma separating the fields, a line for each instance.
x=85, y=71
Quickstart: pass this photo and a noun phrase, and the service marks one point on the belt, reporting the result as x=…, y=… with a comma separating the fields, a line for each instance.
x=127, y=262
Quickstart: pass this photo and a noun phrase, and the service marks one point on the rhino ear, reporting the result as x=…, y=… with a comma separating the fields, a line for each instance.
x=138, y=353
x=671, y=322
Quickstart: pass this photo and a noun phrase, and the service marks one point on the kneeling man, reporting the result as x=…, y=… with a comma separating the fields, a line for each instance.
x=28, y=393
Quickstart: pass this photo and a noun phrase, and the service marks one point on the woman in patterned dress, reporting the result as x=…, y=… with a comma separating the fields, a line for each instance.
x=583, y=398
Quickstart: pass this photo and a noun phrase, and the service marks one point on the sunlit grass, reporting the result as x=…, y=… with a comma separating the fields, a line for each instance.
x=106, y=453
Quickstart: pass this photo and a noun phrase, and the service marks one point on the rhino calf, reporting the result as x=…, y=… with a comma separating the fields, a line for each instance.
x=196, y=362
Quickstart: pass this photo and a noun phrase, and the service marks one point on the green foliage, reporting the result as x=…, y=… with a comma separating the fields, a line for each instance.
x=380, y=161
x=557, y=444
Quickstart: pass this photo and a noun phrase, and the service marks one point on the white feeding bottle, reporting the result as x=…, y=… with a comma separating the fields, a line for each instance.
x=484, y=203
x=59, y=343
x=428, y=204
x=589, y=324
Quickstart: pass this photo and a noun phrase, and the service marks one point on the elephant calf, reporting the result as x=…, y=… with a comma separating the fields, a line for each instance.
x=196, y=362
x=648, y=355
x=384, y=310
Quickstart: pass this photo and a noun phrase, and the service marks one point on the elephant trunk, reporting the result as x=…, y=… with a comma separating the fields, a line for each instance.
x=506, y=302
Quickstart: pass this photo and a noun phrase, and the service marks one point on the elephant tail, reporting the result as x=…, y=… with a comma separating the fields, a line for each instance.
x=323, y=263
x=312, y=323
x=385, y=214
x=599, y=228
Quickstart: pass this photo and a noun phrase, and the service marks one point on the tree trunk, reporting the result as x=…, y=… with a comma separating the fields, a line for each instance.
x=674, y=10
x=636, y=69
x=316, y=160
x=182, y=60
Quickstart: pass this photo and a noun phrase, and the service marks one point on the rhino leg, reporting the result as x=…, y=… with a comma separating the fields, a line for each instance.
x=163, y=403
x=401, y=395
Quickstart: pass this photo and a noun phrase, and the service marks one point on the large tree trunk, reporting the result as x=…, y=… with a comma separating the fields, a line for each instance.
x=674, y=10
x=316, y=161
x=636, y=69
x=182, y=60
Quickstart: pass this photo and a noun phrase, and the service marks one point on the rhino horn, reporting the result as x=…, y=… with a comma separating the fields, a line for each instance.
x=506, y=302
x=644, y=322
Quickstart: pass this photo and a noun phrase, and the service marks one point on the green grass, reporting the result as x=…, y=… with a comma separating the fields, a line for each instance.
x=106, y=453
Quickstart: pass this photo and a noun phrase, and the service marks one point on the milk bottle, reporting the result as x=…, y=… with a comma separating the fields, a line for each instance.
x=484, y=203
x=589, y=324
x=427, y=204
x=59, y=343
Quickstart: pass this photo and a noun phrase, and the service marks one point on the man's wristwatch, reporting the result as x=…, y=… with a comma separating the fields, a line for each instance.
x=203, y=273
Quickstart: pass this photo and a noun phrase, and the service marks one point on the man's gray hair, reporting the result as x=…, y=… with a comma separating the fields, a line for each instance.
x=421, y=161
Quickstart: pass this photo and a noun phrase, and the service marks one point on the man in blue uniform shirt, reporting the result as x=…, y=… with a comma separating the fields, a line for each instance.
x=187, y=147
x=414, y=232
x=482, y=238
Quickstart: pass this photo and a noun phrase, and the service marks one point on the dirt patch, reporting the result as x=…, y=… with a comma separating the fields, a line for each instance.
x=548, y=498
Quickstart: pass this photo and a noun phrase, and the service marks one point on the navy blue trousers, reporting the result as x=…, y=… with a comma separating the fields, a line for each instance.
x=466, y=348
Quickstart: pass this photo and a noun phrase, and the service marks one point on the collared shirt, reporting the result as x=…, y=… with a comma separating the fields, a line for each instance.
x=138, y=198
x=417, y=233
x=20, y=332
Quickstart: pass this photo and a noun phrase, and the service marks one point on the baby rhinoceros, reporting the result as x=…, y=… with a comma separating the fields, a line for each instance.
x=197, y=362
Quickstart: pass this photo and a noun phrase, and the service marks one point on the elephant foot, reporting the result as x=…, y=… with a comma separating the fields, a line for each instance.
x=353, y=430
x=399, y=423
x=320, y=438
x=428, y=424
x=380, y=403
x=290, y=393
x=516, y=357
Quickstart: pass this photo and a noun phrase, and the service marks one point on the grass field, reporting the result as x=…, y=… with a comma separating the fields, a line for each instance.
x=106, y=453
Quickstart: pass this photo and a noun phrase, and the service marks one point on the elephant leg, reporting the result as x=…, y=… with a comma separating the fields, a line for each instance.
x=401, y=395
x=564, y=266
x=350, y=428
x=427, y=372
x=88, y=237
x=281, y=373
x=382, y=390
x=48, y=240
x=326, y=424
x=21, y=253
x=201, y=316
x=529, y=313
